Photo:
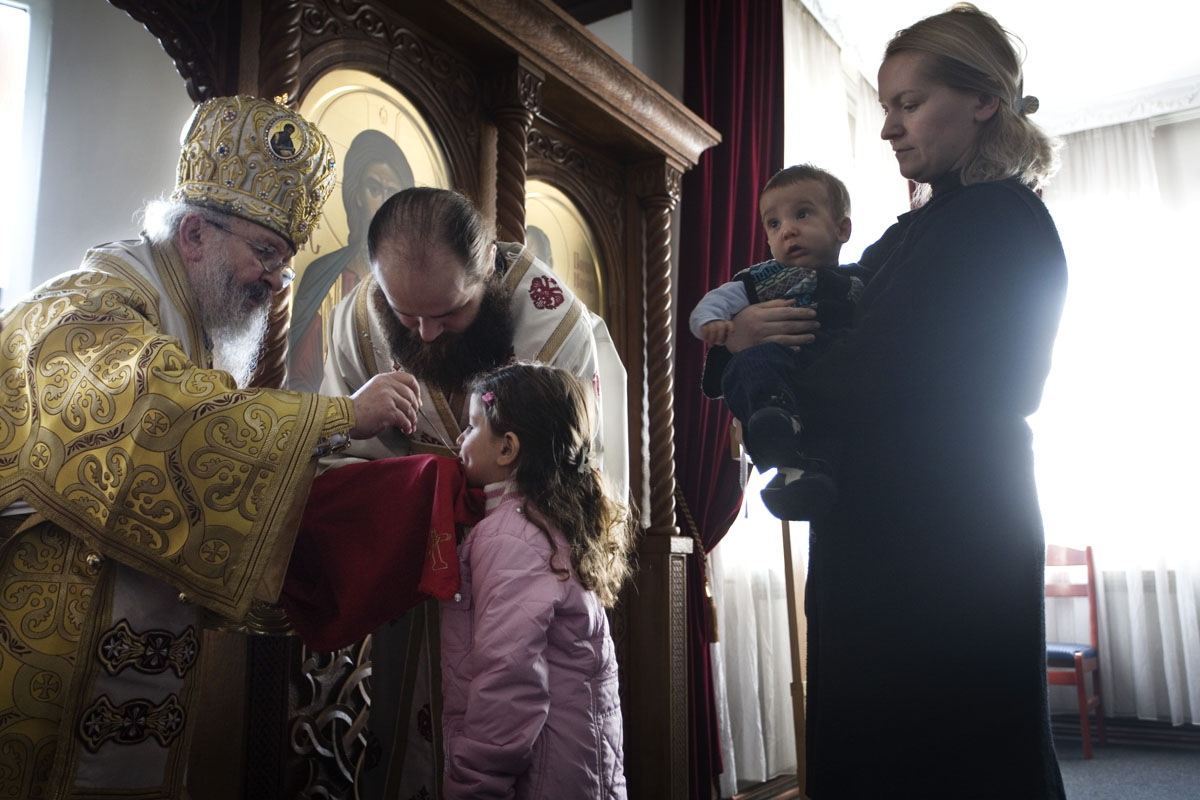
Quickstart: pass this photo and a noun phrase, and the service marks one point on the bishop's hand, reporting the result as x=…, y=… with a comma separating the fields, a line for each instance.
x=392, y=399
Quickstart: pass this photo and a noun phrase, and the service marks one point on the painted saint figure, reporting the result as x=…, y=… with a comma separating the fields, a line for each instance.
x=375, y=169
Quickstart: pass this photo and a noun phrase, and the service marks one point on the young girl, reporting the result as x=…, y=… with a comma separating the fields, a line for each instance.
x=529, y=673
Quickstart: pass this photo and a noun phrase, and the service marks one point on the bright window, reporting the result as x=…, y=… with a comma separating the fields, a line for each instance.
x=14, y=53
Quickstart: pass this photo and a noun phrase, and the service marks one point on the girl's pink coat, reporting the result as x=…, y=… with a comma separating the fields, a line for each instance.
x=529, y=674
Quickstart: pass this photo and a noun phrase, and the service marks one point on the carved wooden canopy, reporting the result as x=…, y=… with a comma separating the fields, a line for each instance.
x=517, y=90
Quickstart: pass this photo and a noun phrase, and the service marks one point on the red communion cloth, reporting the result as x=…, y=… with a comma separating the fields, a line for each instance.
x=376, y=539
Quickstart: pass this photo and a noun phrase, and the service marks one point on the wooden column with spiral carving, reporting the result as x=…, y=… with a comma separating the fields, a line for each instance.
x=279, y=49
x=514, y=97
x=279, y=67
x=657, y=755
x=657, y=187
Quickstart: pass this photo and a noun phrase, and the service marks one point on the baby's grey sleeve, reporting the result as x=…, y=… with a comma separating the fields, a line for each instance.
x=722, y=303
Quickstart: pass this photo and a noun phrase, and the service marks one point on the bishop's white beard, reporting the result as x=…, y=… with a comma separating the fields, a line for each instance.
x=234, y=317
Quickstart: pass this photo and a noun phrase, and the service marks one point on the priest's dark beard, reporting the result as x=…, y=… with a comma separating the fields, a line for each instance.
x=451, y=360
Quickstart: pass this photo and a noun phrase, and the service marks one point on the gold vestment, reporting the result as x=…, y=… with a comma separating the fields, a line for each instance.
x=158, y=489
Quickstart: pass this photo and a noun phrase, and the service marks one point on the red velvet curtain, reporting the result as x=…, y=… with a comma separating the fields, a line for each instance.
x=733, y=73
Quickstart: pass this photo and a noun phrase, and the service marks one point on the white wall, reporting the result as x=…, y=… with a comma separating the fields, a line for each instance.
x=616, y=32
x=114, y=108
x=649, y=36
x=658, y=42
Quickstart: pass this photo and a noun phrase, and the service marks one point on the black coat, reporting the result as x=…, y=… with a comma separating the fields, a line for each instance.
x=926, y=670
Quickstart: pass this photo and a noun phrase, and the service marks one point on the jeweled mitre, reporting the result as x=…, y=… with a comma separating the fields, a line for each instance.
x=258, y=160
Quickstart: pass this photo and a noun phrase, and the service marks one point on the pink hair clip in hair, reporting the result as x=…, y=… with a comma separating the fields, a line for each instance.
x=488, y=398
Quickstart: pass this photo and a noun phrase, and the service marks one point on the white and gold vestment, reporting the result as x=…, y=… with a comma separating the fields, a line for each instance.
x=550, y=325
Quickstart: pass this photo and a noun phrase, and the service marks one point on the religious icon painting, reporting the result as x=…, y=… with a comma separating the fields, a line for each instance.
x=284, y=138
x=559, y=235
x=382, y=144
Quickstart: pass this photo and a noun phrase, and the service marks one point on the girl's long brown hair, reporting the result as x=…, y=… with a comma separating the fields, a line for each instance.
x=550, y=411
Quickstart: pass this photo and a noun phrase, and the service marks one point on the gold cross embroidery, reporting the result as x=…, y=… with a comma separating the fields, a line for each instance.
x=435, y=550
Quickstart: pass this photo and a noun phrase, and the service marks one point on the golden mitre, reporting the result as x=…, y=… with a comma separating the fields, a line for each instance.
x=257, y=160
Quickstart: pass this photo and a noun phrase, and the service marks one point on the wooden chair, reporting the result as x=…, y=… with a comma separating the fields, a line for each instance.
x=1068, y=663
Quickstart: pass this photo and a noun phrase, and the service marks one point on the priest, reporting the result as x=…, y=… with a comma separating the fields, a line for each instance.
x=444, y=302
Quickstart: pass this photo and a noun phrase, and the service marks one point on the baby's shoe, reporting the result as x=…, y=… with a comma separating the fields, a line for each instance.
x=773, y=438
x=797, y=494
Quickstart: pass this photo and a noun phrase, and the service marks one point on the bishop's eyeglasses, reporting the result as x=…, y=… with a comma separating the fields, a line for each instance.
x=267, y=255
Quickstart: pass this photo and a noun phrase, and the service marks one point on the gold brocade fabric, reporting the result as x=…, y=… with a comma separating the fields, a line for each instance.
x=47, y=595
x=153, y=480
x=109, y=429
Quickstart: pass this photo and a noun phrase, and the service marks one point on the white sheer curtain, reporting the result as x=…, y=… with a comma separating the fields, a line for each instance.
x=1117, y=434
x=832, y=120
x=878, y=193
x=816, y=126
x=752, y=669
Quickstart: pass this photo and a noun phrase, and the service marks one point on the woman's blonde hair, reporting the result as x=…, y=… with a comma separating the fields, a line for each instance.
x=551, y=411
x=970, y=52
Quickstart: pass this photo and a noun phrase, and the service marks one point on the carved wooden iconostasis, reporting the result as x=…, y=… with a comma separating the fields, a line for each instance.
x=566, y=147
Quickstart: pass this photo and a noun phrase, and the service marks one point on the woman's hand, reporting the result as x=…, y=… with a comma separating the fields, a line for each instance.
x=772, y=321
